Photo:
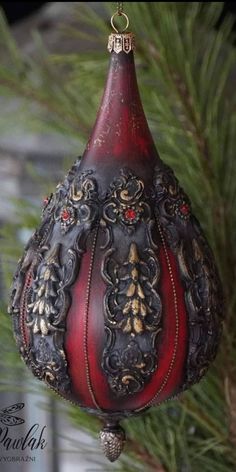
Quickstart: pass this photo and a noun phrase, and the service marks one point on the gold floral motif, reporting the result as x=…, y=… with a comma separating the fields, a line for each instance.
x=125, y=203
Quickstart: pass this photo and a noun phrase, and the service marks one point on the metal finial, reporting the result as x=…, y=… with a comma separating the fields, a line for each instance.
x=112, y=438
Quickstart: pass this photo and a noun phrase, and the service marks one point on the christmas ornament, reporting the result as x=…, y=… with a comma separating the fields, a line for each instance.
x=116, y=302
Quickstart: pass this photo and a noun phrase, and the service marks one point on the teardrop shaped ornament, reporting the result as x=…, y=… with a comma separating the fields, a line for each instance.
x=116, y=302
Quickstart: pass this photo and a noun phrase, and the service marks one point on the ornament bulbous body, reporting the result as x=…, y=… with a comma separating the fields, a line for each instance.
x=116, y=301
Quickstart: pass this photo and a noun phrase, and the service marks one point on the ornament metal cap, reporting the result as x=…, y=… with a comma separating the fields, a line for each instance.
x=118, y=42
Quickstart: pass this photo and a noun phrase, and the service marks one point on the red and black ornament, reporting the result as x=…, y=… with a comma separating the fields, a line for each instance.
x=116, y=302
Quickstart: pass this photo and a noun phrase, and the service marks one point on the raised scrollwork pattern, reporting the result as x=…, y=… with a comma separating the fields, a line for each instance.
x=41, y=288
x=203, y=292
x=132, y=311
x=125, y=203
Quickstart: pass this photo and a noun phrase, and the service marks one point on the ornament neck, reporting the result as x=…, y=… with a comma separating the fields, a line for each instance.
x=121, y=131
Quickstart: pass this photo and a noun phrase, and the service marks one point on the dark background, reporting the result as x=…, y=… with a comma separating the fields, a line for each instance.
x=15, y=11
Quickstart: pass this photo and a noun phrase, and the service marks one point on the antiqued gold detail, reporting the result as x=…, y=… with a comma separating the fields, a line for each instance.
x=126, y=379
x=137, y=326
x=136, y=308
x=49, y=377
x=132, y=307
x=197, y=251
x=112, y=441
x=118, y=42
x=125, y=203
x=44, y=296
x=82, y=190
x=133, y=254
x=131, y=290
x=76, y=195
x=80, y=204
x=134, y=274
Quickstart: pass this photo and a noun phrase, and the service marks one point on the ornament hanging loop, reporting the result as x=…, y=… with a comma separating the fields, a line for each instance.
x=119, y=13
x=120, y=40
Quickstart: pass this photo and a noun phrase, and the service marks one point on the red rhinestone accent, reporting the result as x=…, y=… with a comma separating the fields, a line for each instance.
x=45, y=201
x=184, y=209
x=130, y=214
x=65, y=214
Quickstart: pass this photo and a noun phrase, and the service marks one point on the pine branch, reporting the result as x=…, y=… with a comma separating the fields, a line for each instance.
x=193, y=125
x=189, y=119
x=34, y=96
x=144, y=457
